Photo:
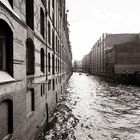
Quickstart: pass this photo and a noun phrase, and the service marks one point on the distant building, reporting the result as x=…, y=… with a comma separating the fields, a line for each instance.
x=77, y=66
x=35, y=63
x=104, y=58
x=123, y=59
x=86, y=63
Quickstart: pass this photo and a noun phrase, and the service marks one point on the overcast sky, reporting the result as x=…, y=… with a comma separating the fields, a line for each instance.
x=89, y=19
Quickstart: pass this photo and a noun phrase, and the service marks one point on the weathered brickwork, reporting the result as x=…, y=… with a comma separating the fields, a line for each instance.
x=33, y=81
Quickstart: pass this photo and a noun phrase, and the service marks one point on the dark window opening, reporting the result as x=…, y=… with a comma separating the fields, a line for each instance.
x=56, y=64
x=30, y=13
x=42, y=90
x=49, y=85
x=10, y=116
x=42, y=22
x=53, y=64
x=30, y=60
x=53, y=19
x=49, y=62
x=53, y=40
x=56, y=43
x=53, y=4
x=49, y=33
x=53, y=84
x=42, y=60
x=49, y=7
x=6, y=48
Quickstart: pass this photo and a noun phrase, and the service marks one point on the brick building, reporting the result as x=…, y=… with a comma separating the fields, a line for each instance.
x=35, y=63
x=103, y=55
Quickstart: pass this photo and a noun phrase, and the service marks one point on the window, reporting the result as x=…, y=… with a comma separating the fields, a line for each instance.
x=42, y=60
x=58, y=47
x=49, y=7
x=53, y=84
x=42, y=90
x=30, y=101
x=30, y=62
x=53, y=47
x=56, y=64
x=6, y=118
x=53, y=64
x=56, y=43
x=49, y=33
x=53, y=4
x=49, y=62
x=30, y=13
x=49, y=85
x=53, y=18
x=42, y=22
x=6, y=48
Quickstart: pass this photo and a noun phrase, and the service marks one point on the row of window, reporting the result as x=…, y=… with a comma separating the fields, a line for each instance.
x=30, y=16
x=6, y=109
x=54, y=82
x=55, y=64
x=6, y=53
x=55, y=41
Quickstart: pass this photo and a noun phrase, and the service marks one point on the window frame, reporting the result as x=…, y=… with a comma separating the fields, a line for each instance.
x=42, y=60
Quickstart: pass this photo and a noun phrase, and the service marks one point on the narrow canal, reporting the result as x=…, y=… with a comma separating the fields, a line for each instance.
x=94, y=109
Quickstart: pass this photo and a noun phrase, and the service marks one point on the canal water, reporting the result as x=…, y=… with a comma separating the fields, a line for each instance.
x=94, y=109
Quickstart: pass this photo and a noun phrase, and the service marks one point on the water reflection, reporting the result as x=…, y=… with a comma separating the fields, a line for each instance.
x=94, y=109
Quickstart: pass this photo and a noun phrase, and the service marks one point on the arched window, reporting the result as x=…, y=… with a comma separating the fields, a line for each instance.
x=49, y=62
x=42, y=22
x=6, y=118
x=42, y=59
x=30, y=60
x=6, y=48
x=30, y=13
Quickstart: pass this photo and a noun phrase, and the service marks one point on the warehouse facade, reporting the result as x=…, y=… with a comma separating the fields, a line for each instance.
x=35, y=64
x=113, y=55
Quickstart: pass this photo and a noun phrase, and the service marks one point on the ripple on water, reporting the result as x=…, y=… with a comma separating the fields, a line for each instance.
x=94, y=109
